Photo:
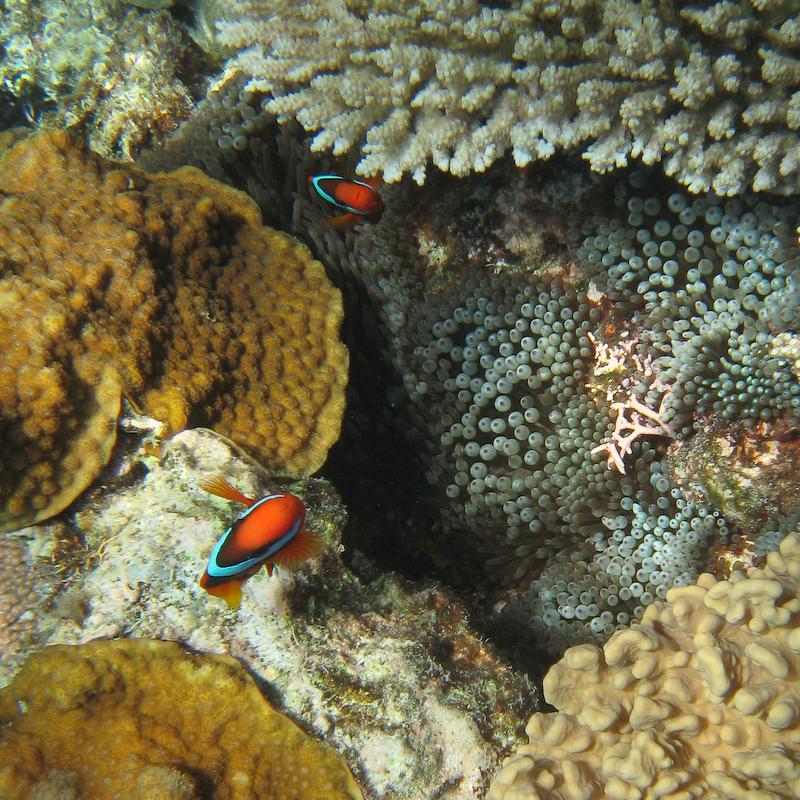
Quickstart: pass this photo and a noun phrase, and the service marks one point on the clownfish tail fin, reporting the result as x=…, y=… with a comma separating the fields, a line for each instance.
x=217, y=485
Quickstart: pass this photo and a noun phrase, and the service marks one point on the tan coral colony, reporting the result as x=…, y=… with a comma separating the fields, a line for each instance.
x=699, y=700
x=165, y=288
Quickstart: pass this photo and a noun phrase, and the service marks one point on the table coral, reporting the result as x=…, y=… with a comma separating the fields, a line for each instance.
x=166, y=288
x=142, y=719
x=699, y=700
x=710, y=90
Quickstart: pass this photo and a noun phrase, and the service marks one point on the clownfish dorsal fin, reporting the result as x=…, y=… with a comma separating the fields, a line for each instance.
x=217, y=485
x=302, y=547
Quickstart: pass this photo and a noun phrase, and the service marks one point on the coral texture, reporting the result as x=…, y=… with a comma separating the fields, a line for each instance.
x=122, y=74
x=699, y=700
x=166, y=288
x=18, y=598
x=145, y=719
x=708, y=90
x=392, y=675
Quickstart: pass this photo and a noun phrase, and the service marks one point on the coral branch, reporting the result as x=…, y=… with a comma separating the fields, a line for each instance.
x=626, y=430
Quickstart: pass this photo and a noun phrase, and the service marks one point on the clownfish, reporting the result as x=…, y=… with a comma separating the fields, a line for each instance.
x=270, y=532
x=358, y=199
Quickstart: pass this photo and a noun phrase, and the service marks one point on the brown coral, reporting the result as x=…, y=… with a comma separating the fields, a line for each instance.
x=164, y=287
x=18, y=598
x=144, y=719
x=699, y=700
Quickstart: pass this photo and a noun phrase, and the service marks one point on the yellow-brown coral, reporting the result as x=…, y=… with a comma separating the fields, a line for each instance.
x=163, y=287
x=700, y=700
x=18, y=600
x=143, y=719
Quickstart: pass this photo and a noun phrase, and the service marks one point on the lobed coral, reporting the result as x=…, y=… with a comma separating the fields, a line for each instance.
x=143, y=719
x=166, y=288
x=124, y=75
x=709, y=90
x=699, y=700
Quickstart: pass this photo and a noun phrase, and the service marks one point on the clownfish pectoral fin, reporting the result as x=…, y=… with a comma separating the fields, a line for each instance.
x=344, y=221
x=304, y=546
x=218, y=486
x=269, y=566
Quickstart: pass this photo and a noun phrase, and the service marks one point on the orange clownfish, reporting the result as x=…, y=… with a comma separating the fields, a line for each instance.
x=358, y=199
x=271, y=531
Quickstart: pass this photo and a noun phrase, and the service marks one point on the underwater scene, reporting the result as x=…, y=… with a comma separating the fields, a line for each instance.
x=399, y=400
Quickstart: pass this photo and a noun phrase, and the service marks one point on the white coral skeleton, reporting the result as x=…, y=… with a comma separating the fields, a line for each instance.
x=627, y=430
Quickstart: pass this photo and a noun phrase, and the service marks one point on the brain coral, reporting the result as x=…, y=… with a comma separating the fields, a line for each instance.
x=144, y=719
x=699, y=700
x=708, y=89
x=166, y=288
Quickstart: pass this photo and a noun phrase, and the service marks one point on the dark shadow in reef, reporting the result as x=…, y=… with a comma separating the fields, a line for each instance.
x=395, y=517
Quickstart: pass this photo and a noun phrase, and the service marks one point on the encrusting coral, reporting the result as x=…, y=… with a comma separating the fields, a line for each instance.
x=125, y=75
x=18, y=599
x=145, y=719
x=699, y=700
x=164, y=287
x=711, y=91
